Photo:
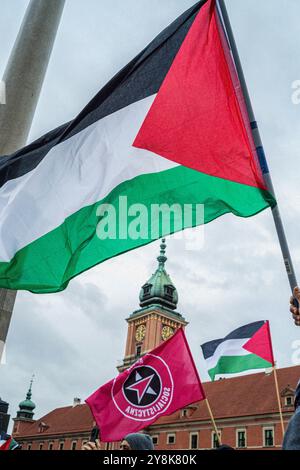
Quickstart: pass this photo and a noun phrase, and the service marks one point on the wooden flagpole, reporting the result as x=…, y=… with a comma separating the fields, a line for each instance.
x=276, y=379
x=213, y=421
x=278, y=398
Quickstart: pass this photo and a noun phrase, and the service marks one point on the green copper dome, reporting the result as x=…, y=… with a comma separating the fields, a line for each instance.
x=27, y=406
x=160, y=289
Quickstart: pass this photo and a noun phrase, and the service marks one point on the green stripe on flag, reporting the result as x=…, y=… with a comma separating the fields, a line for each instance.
x=237, y=364
x=47, y=264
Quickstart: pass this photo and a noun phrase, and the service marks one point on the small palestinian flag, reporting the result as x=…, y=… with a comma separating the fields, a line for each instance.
x=8, y=443
x=247, y=348
x=168, y=132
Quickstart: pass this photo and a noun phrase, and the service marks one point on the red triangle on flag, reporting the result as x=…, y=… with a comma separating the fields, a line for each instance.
x=6, y=444
x=260, y=344
x=197, y=118
x=141, y=386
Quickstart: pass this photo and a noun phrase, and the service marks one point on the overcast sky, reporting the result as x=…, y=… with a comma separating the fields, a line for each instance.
x=72, y=341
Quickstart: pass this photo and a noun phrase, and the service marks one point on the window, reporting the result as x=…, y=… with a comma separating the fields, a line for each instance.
x=155, y=440
x=171, y=439
x=269, y=437
x=74, y=445
x=138, y=351
x=41, y=446
x=215, y=440
x=50, y=447
x=184, y=413
x=61, y=445
x=241, y=438
x=194, y=440
x=147, y=290
x=43, y=427
x=169, y=291
x=289, y=401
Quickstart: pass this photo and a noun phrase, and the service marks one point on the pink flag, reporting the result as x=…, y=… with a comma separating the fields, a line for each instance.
x=158, y=384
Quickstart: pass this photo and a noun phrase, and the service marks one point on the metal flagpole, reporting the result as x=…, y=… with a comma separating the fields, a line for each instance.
x=259, y=146
x=23, y=79
x=25, y=71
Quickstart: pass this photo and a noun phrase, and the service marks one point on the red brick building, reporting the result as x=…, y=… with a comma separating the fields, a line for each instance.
x=245, y=408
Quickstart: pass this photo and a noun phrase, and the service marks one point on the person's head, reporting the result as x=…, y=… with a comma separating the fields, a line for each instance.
x=224, y=447
x=137, y=441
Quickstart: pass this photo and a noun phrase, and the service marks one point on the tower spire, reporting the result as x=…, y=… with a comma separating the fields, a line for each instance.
x=157, y=319
x=27, y=406
x=159, y=289
x=162, y=257
x=29, y=393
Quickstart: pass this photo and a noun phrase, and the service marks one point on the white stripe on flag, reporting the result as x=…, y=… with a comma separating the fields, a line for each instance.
x=230, y=347
x=76, y=173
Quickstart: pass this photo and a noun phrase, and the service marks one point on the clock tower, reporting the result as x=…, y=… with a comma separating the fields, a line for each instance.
x=157, y=319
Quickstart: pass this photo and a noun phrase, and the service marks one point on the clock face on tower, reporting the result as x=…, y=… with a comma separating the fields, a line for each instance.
x=166, y=332
x=140, y=333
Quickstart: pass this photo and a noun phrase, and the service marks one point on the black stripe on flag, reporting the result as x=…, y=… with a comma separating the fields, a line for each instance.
x=141, y=78
x=246, y=331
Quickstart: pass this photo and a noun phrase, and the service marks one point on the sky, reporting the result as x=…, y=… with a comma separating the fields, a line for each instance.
x=72, y=341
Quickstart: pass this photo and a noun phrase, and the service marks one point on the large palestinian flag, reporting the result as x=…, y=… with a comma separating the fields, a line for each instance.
x=247, y=348
x=169, y=129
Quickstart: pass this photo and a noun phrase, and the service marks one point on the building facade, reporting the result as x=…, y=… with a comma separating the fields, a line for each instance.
x=245, y=408
x=246, y=413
